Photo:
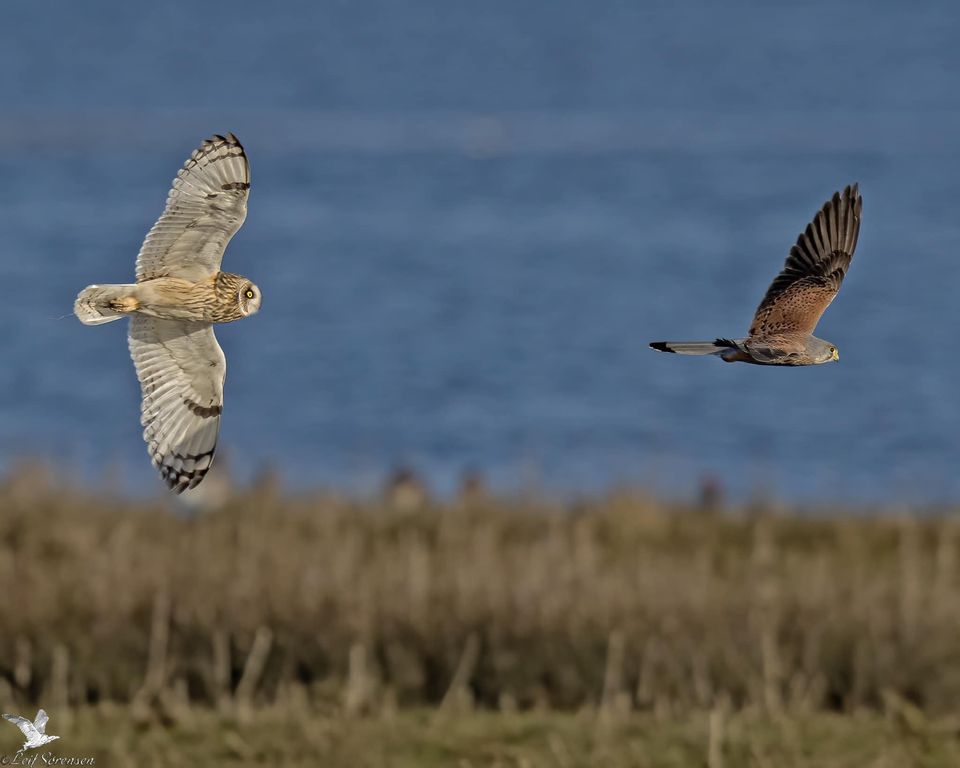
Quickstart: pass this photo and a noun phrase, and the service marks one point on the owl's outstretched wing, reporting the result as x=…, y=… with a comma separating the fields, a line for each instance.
x=181, y=370
x=206, y=206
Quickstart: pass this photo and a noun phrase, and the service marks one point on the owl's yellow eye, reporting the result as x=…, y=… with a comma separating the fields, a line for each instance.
x=249, y=294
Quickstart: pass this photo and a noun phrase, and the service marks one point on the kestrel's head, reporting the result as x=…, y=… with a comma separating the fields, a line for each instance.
x=821, y=351
x=249, y=298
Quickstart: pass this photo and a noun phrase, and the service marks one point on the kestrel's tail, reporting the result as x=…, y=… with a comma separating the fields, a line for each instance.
x=693, y=347
x=98, y=304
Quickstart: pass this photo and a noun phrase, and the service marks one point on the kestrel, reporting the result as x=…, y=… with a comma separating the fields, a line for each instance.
x=179, y=294
x=782, y=329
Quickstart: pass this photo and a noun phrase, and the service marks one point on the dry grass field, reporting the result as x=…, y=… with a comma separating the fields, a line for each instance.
x=421, y=738
x=314, y=630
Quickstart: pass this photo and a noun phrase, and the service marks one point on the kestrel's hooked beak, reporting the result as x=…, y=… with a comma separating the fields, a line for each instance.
x=836, y=354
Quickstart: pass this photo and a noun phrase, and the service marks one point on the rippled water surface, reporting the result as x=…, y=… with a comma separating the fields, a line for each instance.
x=468, y=220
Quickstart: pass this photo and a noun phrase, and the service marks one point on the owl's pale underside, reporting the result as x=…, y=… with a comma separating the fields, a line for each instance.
x=179, y=294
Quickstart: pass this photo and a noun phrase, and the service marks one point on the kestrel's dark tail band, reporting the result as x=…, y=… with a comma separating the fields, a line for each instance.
x=98, y=304
x=693, y=347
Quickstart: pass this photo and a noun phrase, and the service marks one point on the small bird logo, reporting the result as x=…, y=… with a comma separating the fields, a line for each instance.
x=33, y=732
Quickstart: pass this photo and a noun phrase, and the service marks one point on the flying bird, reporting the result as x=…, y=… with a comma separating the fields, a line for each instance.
x=34, y=732
x=782, y=329
x=180, y=293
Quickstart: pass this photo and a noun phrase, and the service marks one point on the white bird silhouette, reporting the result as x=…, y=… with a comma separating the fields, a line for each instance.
x=34, y=732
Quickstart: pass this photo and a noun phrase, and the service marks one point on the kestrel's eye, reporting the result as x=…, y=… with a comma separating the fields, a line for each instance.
x=249, y=294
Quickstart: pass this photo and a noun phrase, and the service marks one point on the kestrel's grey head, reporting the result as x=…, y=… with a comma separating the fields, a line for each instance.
x=179, y=294
x=782, y=329
x=820, y=351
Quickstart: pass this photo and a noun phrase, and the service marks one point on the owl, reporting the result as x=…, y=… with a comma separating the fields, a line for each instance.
x=179, y=294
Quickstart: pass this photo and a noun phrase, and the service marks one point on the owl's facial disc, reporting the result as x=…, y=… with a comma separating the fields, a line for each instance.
x=249, y=298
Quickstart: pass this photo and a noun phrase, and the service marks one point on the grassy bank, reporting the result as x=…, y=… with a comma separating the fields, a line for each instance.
x=428, y=739
x=621, y=603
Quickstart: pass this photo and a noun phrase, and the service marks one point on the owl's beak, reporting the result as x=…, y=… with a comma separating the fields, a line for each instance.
x=836, y=354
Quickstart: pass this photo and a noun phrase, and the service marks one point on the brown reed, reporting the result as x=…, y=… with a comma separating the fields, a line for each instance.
x=620, y=602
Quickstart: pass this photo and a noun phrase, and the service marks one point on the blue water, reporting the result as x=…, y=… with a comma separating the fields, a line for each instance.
x=468, y=220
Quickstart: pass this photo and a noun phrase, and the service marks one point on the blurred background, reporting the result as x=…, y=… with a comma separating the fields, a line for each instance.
x=468, y=221
x=464, y=516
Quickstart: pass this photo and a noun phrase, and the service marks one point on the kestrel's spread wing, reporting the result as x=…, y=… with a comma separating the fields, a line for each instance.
x=181, y=370
x=813, y=272
x=206, y=206
x=40, y=721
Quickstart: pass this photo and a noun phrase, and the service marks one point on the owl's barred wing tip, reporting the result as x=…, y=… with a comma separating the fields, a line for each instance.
x=217, y=140
x=173, y=469
x=179, y=482
x=228, y=138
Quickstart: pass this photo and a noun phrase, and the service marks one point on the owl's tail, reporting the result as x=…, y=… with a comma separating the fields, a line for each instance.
x=98, y=304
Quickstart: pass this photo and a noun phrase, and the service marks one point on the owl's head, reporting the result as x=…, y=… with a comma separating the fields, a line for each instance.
x=249, y=298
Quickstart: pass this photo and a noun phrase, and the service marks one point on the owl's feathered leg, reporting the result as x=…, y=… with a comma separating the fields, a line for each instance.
x=98, y=304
